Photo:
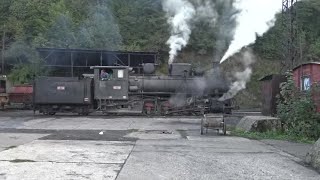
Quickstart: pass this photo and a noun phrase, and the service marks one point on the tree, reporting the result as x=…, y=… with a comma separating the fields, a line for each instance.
x=27, y=63
x=100, y=30
x=61, y=34
x=142, y=24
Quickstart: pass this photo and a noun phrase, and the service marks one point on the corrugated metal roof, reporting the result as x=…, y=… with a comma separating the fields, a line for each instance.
x=79, y=50
x=307, y=63
x=268, y=77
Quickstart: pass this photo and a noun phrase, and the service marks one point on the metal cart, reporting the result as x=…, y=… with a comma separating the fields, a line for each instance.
x=214, y=122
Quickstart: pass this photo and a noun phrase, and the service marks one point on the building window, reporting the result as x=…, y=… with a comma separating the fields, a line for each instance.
x=305, y=83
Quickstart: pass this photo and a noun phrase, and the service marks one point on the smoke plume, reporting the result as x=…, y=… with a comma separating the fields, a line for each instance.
x=224, y=28
x=255, y=18
x=242, y=78
x=205, y=12
x=180, y=14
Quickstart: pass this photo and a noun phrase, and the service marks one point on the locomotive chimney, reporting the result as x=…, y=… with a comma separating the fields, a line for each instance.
x=215, y=65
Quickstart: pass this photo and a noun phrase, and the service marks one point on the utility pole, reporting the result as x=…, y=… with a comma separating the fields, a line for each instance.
x=290, y=35
x=3, y=48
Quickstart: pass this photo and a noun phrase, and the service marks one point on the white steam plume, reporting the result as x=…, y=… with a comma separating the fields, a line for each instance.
x=242, y=78
x=255, y=18
x=180, y=14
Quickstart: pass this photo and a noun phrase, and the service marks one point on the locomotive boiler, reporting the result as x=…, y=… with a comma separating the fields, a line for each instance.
x=182, y=91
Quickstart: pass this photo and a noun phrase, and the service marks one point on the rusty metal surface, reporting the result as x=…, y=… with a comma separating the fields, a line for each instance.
x=21, y=89
x=21, y=94
x=270, y=88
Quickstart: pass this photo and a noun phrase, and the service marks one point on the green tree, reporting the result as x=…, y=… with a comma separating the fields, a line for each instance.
x=27, y=63
x=61, y=34
x=28, y=18
x=100, y=30
x=297, y=111
x=143, y=24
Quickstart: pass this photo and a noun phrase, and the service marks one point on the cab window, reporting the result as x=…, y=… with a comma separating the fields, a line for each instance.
x=106, y=74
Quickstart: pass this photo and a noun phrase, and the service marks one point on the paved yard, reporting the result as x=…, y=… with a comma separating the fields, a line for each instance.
x=97, y=147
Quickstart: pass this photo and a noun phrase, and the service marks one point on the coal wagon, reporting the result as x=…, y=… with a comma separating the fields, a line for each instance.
x=61, y=94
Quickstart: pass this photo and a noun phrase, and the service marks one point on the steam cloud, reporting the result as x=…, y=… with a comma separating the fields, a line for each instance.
x=225, y=26
x=242, y=78
x=180, y=13
x=182, y=16
x=252, y=20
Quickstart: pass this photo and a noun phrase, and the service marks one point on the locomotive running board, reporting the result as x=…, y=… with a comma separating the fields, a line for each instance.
x=122, y=112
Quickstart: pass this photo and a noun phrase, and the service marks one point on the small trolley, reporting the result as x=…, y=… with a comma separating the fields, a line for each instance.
x=215, y=122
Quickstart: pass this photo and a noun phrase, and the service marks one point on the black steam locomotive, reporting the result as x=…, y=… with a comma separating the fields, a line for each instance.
x=114, y=90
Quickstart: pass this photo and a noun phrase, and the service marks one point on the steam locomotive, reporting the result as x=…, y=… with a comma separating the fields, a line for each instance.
x=183, y=91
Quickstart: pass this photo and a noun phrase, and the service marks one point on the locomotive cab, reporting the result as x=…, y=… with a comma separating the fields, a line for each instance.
x=180, y=69
x=113, y=87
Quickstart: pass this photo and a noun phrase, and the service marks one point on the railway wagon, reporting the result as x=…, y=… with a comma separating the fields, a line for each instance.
x=21, y=96
x=15, y=96
x=61, y=94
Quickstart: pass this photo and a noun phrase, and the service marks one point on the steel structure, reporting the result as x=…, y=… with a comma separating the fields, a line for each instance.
x=290, y=52
x=75, y=62
x=2, y=51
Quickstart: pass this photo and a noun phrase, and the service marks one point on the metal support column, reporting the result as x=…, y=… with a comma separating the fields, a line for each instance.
x=3, y=49
x=101, y=59
x=129, y=60
x=290, y=51
x=72, y=64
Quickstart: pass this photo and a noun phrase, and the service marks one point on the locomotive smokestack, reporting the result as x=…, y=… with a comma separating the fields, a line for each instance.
x=216, y=65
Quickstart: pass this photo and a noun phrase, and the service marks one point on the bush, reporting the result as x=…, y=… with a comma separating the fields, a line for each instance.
x=25, y=73
x=297, y=111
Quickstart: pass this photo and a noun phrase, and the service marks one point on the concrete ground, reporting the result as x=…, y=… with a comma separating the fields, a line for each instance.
x=98, y=147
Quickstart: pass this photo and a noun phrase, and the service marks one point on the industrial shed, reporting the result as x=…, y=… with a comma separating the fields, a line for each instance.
x=74, y=62
x=307, y=75
x=270, y=89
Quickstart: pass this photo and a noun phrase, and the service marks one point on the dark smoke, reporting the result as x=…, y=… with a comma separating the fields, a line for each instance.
x=212, y=81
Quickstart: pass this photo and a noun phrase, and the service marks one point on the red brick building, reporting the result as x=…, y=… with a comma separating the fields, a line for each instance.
x=307, y=75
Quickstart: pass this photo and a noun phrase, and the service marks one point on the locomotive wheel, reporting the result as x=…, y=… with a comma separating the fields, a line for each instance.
x=52, y=113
